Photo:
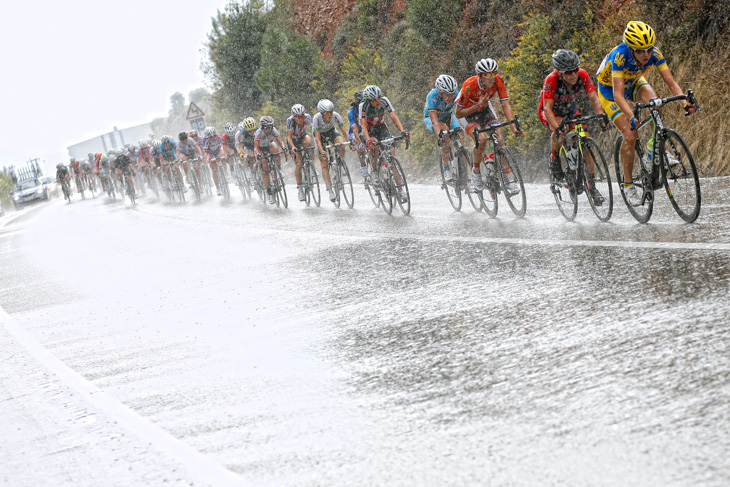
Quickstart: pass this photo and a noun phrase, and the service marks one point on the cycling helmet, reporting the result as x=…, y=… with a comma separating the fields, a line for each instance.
x=143, y=143
x=193, y=133
x=129, y=146
x=240, y=126
x=371, y=92
x=110, y=151
x=73, y=159
x=59, y=166
x=121, y=151
x=487, y=65
x=266, y=121
x=156, y=144
x=166, y=139
x=565, y=60
x=446, y=84
x=230, y=129
x=249, y=123
x=639, y=35
x=103, y=158
x=297, y=110
x=358, y=96
x=325, y=106
x=182, y=135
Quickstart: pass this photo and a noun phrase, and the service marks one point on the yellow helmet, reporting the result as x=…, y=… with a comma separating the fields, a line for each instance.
x=249, y=124
x=639, y=35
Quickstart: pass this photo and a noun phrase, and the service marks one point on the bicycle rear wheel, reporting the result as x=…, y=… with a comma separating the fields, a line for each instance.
x=179, y=185
x=641, y=179
x=129, y=188
x=280, y=188
x=600, y=183
x=314, y=181
x=223, y=182
x=402, y=195
x=241, y=180
x=336, y=180
x=517, y=199
x=194, y=183
x=681, y=179
x=347, y=192
x=453, y=191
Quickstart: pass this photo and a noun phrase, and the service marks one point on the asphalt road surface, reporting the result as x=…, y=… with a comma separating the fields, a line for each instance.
x=239, y=344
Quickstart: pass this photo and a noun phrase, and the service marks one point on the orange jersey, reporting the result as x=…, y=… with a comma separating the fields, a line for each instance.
x=471, y=91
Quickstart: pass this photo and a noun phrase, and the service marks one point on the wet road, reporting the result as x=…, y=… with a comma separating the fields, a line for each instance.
x=315, y=346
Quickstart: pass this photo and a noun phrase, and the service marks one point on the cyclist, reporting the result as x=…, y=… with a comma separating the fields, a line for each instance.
x=155, y=159
x=264, y=144
x=62, y=173
x=213, y=147
x=353, y=116
x=438, y=115
x=325, y=125
x=85, y=172
x=621, y=79
x=372, y=120
x=123, y=165
x=143, y=157
x=299, y=139
x=168, y=155
x=229, y=144
x=557, y=101
x=104, y=170
x=75, y=170
x=244, y=144
x=187, y=150
x=474, y=105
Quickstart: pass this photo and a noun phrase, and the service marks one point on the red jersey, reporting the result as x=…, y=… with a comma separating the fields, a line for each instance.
x=471, y=91
x=554, y=88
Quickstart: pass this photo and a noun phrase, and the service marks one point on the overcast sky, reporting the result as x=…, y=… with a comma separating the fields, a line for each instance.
x=74, y=69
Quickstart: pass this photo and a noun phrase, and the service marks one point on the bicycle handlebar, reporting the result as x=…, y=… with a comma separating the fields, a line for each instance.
x=443, y=132
x=580, y=120
x=494, y=126
x=657, y=102
x=391, y=140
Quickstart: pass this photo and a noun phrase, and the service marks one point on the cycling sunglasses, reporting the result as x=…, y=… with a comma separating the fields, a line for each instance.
x=643, y=51
x=572, y=71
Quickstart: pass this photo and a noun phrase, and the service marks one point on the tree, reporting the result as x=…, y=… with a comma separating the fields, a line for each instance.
x=198, y=94
x=289, y=64
x=234, y=51
x=177, y=105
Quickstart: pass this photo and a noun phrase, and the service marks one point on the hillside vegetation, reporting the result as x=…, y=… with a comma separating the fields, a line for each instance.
x=259, y=62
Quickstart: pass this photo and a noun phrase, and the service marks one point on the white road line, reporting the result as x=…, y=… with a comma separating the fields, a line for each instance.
x=639, y=244
x=198, y=464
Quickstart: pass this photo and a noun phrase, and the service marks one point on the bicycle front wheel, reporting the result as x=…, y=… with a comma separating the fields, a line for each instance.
x=453, y=192
x=280, y=188
x=129, y=188
x=386, y=194
x=680, y=177
x=514, y=187
x=600, y=191
x=641, y=179
x=314, y=183
x=336, y=180
x=194, y=183
x=241, y=179
x=223, y=183
x=347, y=192
x=402, y=195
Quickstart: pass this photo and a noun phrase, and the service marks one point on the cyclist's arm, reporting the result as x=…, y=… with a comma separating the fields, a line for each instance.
x=618, y=96
x=364, y=125
x=547, y=108
x=318, y=140
x=257, y=147
x=281, y=143
x=668, y=78
x=290, y=139
x=480, y=105
x=507, y=109
x=342, y=131
x=396, y=121
x=200, y=152
x=597, y=108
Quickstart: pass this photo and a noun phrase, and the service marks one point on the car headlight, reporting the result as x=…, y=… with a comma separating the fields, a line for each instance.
x=40, y=190
x=16, y=197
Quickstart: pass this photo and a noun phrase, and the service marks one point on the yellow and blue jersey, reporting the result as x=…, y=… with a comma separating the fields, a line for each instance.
x=620, y=63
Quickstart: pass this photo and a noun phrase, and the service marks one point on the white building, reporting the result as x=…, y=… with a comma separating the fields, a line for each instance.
x=110, y=140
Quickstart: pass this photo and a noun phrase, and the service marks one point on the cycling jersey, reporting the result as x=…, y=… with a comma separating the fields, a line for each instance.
x=167, y=151
x=266, y=140
x=319, y=125
x=436, y=104
x=213, y=145
x=353, y=116
x=245, y=138
x=375, y=116
x=229, y=142
x=143, y=154
x=187, y=147
x=620, y=63
x=122, y=163
x=554, y=88
x=292, y=125
x=74, y=166
x=61, y=173
x=472, y=90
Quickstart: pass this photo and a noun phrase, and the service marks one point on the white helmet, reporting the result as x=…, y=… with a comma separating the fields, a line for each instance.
x=488, y=65
x=230, y=129
x=446, y=84
x=372, y=92
x=325, y=106
x=297, y=110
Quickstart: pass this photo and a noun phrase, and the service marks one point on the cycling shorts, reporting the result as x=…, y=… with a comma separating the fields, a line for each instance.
x=630, y=93
x=484, y=117
x=429, y=125
x=543, y=119
x=380, y=132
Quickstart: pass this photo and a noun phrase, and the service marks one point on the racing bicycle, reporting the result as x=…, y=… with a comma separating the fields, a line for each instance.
x=460, y=163
x=340, y=175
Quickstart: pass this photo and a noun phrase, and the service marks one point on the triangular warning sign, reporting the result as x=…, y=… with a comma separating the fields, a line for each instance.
x=194, y=111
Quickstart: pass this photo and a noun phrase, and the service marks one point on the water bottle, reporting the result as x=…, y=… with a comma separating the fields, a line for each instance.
x=649, y=153
x=572, y=156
